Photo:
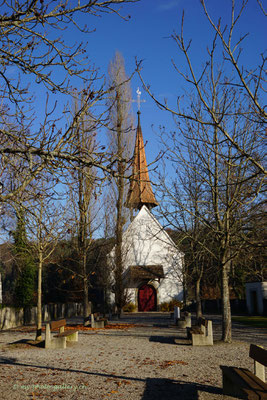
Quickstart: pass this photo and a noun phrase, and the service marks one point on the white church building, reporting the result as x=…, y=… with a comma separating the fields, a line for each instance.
x=152, y=263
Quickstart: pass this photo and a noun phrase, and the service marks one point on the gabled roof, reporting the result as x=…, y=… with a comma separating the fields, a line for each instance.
x=140, y=191
x=145, y=211
x=158, y=230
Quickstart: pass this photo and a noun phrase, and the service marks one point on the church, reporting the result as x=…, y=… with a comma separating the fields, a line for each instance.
x=152, y=263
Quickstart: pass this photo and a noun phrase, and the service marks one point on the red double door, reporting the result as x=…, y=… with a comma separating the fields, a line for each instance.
x=147, y=298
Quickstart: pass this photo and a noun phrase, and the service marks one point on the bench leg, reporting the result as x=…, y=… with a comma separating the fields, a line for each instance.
x=98, y=324
x=201, y=340
x=198, y=339
x=92, y=321
x=259, y=370
x=47, y=333
x=56, y=343
x=73, y=337
x=53, y=343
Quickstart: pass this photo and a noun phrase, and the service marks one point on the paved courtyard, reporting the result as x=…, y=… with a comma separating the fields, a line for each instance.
x=140, y=361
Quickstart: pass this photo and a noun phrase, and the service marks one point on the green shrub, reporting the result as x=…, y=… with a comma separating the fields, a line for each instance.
x=129, y=307
x=168, y=306
x=25, y=285
x=26, y=279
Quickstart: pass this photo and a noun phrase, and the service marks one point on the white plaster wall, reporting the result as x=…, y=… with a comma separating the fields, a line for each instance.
x=131, y=295
x=146, y=243
x=169, y=289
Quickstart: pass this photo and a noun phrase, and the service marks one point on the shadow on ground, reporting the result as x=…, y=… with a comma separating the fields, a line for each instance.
x=24, y=343
x=162, y=389
x=170, y=340
x=155, y=388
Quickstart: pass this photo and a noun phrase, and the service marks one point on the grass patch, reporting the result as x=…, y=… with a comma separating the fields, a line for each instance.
x=258, y=322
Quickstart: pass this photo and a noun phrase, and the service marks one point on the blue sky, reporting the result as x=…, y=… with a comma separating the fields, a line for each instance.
x=146, y=36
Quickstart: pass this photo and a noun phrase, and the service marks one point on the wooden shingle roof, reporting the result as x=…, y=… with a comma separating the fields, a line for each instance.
x=141, y=273
x=140, y=191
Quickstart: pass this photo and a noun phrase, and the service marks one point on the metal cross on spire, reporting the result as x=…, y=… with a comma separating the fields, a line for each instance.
x=138, y=101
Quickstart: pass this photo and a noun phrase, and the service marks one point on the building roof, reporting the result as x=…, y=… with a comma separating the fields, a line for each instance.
x=140, y=191
x=141, y=236
x=137, y=272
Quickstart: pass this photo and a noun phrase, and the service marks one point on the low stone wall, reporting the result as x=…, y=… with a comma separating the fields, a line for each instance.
x=11, y=317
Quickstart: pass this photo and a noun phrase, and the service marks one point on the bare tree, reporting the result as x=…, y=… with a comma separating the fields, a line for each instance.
x=34, y=44
x=224, y=196
x=224, y=48
x=181, y=204
x=121, y=138
x=223, y=122
x=83, y=192
x=46, y=226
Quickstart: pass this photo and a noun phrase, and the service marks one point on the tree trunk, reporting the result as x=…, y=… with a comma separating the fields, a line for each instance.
x=226, y=307
x=39, y=300
x=86, y=306
x=119, y=291
x=184, y=283
x=82, y=236
x=118, y=254
x=184, y=294
x=198, y=298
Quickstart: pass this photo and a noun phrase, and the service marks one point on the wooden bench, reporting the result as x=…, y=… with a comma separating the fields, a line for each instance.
x=97, y=321
x=184, y=321
x=242, y=383
x=59, y=341
x=201, y=334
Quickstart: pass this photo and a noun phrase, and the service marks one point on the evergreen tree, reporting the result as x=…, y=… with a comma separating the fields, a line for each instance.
x=25, y=283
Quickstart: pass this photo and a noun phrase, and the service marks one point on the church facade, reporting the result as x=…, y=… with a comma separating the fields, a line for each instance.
x=152, y=263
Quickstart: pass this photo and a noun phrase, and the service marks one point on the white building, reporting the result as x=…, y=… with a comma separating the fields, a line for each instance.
x=256, y=297
x=152, y=263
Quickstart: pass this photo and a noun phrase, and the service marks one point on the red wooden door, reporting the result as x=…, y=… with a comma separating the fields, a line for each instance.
x=147, y=298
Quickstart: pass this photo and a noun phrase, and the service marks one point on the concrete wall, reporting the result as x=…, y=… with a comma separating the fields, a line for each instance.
x=11, y=317
x=256, y=294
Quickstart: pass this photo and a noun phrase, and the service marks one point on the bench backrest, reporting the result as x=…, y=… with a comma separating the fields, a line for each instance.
x=57, y=324
x=258, y=354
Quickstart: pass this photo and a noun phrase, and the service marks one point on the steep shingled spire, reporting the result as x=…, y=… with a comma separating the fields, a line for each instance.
x=140, y=191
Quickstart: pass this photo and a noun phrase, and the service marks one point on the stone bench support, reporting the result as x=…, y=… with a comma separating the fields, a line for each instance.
x=201, y=334
x=59, y=341
x=97, y=321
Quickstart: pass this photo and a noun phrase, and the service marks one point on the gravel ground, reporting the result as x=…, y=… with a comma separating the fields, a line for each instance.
x=141, y=362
